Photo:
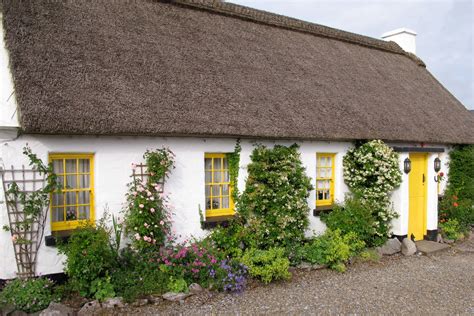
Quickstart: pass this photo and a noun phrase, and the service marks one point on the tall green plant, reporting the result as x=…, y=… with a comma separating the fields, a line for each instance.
x=461, y=172
x=274, y=201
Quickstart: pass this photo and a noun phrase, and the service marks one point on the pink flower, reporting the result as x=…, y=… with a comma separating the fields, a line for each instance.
x=148, y=193
x=141, y=206
x=152, y=210
x=137, y=236
x=134, y=166
x=152, y=198
x=15, y=238
x=146, y=225
x=134, y=193
x=162, y=223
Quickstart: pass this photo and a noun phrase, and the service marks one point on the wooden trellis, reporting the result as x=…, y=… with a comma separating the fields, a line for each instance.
x=26, y=236
x=140, y=172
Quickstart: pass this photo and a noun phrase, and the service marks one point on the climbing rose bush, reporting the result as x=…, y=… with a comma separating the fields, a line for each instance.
x=148, y=214
x=372, y=172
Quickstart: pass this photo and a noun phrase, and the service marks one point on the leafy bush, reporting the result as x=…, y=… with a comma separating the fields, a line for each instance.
x=228, y=240
x=372, y=172
x=461, y=172
x=451, y=229
x=274, y=201
x=89, y=258
x=370, y=255
x=267, y=265
x=136, y=276
x=333, y=249
x=102, y=289
x=177, y=285
x=355, y=215
x=452, y=208
x=27, y=295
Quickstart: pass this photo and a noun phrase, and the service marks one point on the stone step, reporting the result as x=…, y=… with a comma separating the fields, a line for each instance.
x=429, y=247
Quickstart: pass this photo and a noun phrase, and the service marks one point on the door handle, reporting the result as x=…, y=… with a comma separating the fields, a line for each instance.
x=423, y=178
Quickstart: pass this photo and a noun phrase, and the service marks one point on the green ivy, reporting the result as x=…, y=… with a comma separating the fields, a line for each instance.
x=234, y=165
x=461, y=172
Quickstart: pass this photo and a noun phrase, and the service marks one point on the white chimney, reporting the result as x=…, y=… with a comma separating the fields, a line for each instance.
x=404, y=37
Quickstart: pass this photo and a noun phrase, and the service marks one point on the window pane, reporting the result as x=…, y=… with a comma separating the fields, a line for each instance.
x=225, y=189
x=208, y=163
x=226, y=163
x=216, y=190
x=61, y=181
x=84, y=165
x=320, y=195
x=71, y=182
x=84, y=212
x=58, y=199
x=58, y=166
x=225, y=202
x=58, y=214
x=217, y=177
x=208, y=177
x=208, y=203
x=225, y=175
x=71, y=213
x=70, y=198
x=319, y=184
x=84, y=181
x=217, y=163
x=215, y=203
x=208, y=190
x=71, y=166
x=83, y=197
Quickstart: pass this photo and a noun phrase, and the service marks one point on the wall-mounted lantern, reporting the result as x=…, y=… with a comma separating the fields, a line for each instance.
x=437, y=164
x=407, y=165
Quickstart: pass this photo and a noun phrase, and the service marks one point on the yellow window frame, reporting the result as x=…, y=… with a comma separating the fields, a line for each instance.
x=330, y=201
x=68, y=225
x=219, y=211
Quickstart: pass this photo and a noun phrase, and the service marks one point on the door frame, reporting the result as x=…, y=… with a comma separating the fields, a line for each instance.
x=425, y=194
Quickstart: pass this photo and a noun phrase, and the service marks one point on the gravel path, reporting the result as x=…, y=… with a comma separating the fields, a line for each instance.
x=440, y=284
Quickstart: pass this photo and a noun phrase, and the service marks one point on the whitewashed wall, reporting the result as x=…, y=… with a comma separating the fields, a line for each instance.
x=113, y=157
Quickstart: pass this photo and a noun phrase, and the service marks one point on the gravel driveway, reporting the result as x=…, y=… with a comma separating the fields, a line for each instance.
x=439, y=284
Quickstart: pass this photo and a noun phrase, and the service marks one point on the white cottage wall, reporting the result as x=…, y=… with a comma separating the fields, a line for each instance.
x=113, y=157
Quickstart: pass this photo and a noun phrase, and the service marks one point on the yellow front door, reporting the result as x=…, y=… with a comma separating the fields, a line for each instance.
x=417, y=201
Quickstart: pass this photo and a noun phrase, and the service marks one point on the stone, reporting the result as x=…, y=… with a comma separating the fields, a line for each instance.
x=140, y=302
x=195, y=288
x=6, y=310
x=448, y=241
x=428, y=247
x=439, y=238
x=57, y=309
x=304, y=266
x=113, y=303
x=391, y=246
x=175, y=297
x=90, y=308
x=155, y=300
x=408, y=247
x=318, y=266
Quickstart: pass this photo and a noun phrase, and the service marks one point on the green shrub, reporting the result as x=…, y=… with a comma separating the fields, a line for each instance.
x=228, y=240
x=267, y=265
x=275, y=196
x=369, y=255
x=451, y=229
x=137, y=275
x=461, y=172
x=102, y=289
x=27, y=295
x=178, y=285
x=355, y=215
x=89, y=258
x=333, y=249
x=451, y=207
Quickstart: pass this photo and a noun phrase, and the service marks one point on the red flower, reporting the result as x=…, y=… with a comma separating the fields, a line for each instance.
x=441, y=174
x=455, y=204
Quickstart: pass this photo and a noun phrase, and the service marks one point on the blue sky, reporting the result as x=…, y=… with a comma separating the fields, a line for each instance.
x=445, y=30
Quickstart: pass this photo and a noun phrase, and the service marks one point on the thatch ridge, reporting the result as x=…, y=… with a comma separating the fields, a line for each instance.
x=184, y=68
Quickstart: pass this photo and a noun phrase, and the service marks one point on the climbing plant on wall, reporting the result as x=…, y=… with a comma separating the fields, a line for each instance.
x=274, y=201
x=371, y=170
x=148, y=214
x=27, y=195
x=234, y=163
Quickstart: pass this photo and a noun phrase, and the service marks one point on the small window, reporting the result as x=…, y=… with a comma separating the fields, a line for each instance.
x=325, y=179
x=74, y=203
x=217, y=186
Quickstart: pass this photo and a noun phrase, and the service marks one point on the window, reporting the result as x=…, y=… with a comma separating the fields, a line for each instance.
x=75, y=203
x=324, y=179
x=218, y=189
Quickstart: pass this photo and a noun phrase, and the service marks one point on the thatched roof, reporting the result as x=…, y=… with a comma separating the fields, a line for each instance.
x=204, y=68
